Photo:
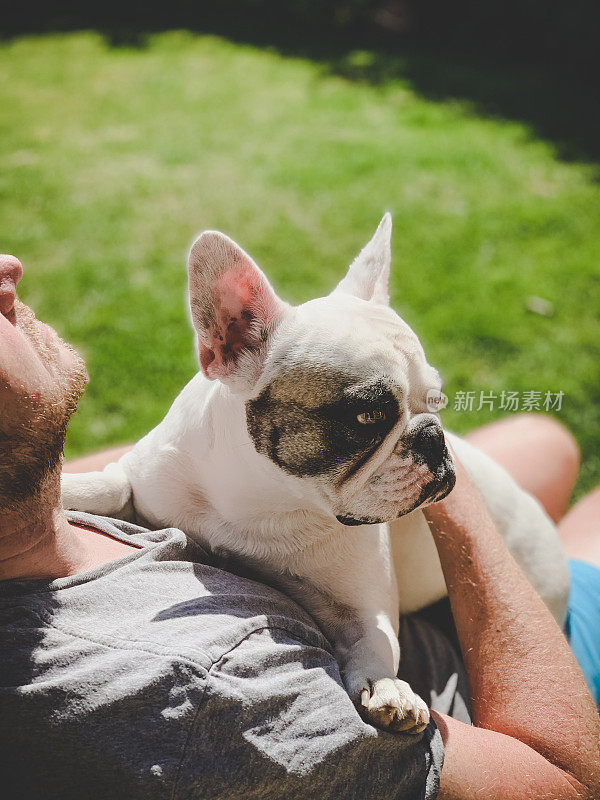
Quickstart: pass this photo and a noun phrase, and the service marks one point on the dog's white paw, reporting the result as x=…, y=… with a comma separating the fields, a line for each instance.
x=107, y=493
x=391, y=704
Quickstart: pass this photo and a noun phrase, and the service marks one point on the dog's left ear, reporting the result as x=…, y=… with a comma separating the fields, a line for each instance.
x=234, y=309
x=369, y=273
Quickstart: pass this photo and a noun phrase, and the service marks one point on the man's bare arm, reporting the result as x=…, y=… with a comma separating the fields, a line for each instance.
x=537, y=731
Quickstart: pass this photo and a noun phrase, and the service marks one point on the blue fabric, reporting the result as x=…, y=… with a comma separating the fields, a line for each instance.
x=583, y=622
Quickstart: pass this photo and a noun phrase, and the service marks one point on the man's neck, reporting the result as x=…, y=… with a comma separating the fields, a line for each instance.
x=37, y=542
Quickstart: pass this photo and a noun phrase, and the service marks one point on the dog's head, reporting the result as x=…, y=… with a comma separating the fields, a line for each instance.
x=337, y=391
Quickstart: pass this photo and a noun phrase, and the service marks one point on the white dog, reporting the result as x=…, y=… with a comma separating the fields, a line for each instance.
x=306, y=432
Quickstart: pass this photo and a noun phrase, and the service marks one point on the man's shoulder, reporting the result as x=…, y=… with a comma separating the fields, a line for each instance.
x=166, y=670
x=172, y=598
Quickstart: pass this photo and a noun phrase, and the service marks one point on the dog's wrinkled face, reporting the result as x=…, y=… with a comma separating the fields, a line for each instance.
x=343, y=401
x=336, y=389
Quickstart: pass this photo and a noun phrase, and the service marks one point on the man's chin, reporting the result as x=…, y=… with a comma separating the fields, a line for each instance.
x=33, y=436
x=59, y=358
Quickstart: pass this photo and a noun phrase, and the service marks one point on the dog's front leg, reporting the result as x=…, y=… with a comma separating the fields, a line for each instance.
x=351, y=591
x=369, y=667
x=107, y=493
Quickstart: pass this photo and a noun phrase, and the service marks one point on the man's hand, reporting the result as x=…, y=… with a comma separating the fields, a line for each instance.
x=537, y=731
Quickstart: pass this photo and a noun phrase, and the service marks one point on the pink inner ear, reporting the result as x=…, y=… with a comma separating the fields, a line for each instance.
x=244, y=306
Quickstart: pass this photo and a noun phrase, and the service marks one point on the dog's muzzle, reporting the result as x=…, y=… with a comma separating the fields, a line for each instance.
x=440, y=486
x=429, y=446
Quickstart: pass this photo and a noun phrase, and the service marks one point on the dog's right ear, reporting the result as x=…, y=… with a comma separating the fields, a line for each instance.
x=369, y=273
x=234, y=309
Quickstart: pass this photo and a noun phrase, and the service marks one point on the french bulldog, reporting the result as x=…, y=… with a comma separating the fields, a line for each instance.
x=307, y=446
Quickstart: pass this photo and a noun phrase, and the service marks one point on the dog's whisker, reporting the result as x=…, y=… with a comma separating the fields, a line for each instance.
x=243, y=444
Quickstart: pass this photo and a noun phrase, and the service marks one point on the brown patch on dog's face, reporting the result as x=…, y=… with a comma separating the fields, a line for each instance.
x=307, y=420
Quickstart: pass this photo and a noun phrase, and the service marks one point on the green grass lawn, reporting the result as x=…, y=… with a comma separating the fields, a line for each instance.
x=112, y=159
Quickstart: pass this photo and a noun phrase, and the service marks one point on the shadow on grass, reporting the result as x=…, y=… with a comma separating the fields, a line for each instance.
x=563, y=110
x=561, y=107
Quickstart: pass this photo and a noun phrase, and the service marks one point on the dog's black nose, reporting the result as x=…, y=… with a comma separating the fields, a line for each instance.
x=430, y=443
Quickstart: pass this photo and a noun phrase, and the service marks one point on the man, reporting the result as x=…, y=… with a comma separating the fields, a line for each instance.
x=134, y=666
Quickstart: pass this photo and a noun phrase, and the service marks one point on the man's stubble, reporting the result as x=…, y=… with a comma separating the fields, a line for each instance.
x=31, y=446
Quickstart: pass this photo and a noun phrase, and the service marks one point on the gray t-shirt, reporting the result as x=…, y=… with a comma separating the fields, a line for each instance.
x=161, y=675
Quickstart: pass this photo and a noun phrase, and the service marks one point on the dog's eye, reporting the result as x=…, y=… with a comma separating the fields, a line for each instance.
x=371, y=417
